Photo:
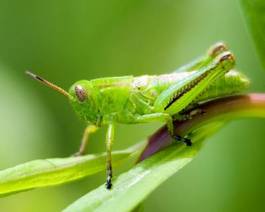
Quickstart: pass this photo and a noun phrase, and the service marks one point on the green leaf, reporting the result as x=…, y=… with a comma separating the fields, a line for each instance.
x=132, y=187
x=255, y=15
x=48, y=172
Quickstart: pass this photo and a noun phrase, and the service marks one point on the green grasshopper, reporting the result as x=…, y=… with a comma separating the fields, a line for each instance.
x=143, y=99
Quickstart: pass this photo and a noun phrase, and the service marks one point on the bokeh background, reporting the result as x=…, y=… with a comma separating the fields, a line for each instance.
x=65, y=41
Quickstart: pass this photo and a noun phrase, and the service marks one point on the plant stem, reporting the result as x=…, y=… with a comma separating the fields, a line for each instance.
x=222, y=110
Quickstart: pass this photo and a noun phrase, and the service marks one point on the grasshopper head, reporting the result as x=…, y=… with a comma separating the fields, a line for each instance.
x=83, y=98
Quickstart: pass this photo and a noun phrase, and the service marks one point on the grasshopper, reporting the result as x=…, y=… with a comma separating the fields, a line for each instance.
x=158, y=98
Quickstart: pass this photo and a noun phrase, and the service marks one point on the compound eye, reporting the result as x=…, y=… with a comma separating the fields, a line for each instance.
x=80, y=93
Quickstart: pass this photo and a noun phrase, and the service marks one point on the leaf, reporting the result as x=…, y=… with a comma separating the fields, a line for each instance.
x=132, y=187
x=255, y=15
x=48, y=172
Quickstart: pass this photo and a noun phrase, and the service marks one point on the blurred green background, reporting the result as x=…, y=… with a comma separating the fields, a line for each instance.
x=65, y=41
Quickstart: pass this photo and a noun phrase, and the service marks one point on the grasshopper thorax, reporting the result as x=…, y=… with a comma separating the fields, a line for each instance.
x=83, y=98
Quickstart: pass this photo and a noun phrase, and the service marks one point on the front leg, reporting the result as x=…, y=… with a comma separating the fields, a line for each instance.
x=89, y=130
x=109, y=141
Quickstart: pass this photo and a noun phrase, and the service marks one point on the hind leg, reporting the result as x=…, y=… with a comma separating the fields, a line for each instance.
x=185, y=92
x=163, y=117
x=204, y=60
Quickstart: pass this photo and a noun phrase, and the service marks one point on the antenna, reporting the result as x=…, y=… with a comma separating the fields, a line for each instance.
x=47, y=83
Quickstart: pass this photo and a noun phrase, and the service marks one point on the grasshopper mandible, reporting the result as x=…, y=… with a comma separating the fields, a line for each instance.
x=143, y=99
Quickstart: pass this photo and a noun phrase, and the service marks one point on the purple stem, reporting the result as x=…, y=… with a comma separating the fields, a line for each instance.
x=226, y=108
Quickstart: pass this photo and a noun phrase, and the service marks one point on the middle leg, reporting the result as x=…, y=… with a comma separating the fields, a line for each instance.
x=109, y=141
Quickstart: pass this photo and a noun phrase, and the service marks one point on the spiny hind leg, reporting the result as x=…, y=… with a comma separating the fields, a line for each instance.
x=204, y=60
x=163, y=117
x=88, y=131
x=109, y=141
